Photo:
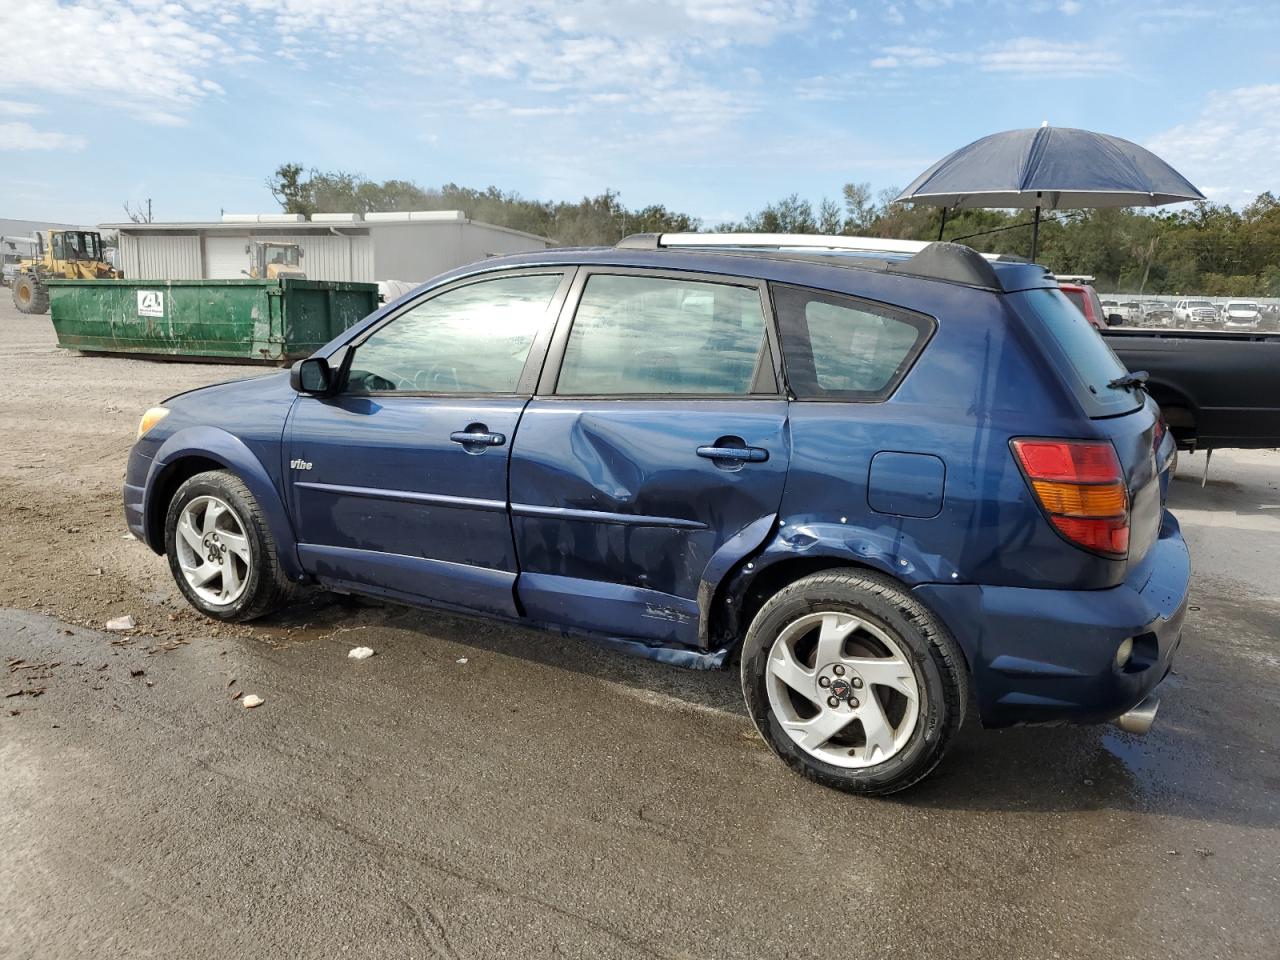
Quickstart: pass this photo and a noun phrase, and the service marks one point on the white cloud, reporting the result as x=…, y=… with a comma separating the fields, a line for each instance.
x=894, y=16
x=140, y=55
x=1231, y=149
x=158, y=58
x=14, y=108
x=20, y=135
x=894, y=57
x=1032, y=55
x=1070, y=7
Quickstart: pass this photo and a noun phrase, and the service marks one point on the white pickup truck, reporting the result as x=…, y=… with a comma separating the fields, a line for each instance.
x=1194, y=313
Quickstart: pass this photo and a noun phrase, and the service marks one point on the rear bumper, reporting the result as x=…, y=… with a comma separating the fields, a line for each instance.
x=1050, y=655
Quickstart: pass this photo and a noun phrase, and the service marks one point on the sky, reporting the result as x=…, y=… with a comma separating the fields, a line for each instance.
x=712, y=107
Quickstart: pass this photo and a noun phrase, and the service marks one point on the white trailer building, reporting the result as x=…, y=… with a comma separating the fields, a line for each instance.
x=412, y=246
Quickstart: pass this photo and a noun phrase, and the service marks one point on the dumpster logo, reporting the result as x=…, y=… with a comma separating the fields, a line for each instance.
x=151, y=303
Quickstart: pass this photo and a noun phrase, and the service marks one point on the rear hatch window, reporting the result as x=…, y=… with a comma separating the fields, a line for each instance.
x=1073, y=346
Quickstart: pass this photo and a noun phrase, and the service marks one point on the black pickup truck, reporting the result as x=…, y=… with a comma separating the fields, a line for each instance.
x=1216, y=389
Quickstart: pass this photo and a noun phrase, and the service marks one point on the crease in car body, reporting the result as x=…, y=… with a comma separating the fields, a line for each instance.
x=800, y=460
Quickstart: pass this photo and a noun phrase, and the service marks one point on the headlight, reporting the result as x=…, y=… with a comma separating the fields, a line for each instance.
x=150, y=419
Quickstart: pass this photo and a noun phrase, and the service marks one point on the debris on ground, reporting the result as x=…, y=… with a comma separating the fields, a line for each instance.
x=25, y=691
x=462, y=659
x=137, y=672
x=252, y=700
x=128, y=536
x=360, y=653
x=121, y=623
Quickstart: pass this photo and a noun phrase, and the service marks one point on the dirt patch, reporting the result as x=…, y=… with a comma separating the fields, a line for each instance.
x=67, y=423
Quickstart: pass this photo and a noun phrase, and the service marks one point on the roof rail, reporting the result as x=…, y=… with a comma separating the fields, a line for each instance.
x=776, y=241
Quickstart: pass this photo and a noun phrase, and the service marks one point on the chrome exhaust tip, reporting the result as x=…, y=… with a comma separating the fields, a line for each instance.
x=1139, y=719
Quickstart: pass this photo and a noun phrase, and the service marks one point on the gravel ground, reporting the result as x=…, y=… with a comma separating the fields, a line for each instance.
x=548, y=798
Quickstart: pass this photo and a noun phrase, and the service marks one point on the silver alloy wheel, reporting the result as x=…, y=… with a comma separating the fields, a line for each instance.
x=849, y=699
x=213, y=551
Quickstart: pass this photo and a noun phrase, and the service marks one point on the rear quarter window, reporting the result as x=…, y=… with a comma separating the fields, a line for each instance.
x=841, y=348
x=1075, y=347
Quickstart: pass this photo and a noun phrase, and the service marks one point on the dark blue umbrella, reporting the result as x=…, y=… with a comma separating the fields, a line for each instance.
x=1049, y=168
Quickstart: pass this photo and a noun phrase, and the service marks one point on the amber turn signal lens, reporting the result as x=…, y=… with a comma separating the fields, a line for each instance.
x=150, y=419
x=1077, y=500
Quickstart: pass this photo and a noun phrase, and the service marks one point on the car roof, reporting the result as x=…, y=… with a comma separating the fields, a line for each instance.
x=936, y=262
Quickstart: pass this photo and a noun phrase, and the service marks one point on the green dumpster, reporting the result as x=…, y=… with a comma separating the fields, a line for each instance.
x=268, y=321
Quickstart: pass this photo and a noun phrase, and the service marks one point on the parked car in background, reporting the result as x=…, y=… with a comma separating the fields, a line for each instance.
x=886, y=479
x=1194, y=313
x=1241, y=315
x=1086, y=301
x=1131, y=310
x=1156, y=314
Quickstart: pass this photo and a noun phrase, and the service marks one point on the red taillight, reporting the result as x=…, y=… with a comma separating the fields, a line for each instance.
x=1157, y=435
x=1080, y=485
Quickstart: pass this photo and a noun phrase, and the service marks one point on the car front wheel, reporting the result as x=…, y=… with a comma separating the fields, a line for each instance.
x=221, y=551
x=853, y=683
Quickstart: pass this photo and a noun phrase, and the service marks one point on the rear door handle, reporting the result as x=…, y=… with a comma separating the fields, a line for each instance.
x=735, y=454
x=469, y=438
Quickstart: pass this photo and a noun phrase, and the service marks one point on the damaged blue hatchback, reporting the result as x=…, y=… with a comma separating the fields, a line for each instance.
x=891, y=481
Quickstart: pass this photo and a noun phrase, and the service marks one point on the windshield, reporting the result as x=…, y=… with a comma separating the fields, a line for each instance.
x=1076, y=348
x=1199, y=303
x=281, y=253
x=1242, y=306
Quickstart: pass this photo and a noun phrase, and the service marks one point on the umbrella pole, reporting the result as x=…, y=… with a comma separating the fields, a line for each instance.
x=943, y=225
x=1035, y=230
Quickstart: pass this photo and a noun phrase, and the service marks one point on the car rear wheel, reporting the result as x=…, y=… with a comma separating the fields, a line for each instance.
x=853, y=683
x=221, y=551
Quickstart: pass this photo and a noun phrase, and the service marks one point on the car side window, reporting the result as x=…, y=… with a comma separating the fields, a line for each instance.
x=840, y=348
x=656, y=336
x=469, y=340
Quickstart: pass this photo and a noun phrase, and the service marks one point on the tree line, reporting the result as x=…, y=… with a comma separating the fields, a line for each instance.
x=1207, y=248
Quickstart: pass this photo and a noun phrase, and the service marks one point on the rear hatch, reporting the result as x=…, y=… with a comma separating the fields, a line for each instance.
x=1121, y=413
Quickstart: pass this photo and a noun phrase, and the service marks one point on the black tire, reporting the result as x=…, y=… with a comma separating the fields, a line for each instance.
x=30, y=295
x=266, y=588
x=939, y=668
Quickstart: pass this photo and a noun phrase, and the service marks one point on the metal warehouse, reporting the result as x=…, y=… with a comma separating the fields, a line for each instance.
x=410, y=246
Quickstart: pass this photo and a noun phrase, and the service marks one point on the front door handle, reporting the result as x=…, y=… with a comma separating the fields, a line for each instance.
x=477, y=436
x=735, y=454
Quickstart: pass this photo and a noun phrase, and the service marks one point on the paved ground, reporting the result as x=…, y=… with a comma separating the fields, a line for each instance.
x=546, y=798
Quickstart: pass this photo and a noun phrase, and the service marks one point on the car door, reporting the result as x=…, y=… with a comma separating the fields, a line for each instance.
x=653, y=455
x=398, y=484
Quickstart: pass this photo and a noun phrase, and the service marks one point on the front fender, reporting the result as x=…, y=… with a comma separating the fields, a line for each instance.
x=213, y=443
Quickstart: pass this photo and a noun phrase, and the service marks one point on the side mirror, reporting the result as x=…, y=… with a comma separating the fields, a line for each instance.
x=1114, y=319
x=248, y=248
x=312, y=375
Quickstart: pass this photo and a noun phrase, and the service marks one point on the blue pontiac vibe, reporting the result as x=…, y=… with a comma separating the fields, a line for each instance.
x=890, y=482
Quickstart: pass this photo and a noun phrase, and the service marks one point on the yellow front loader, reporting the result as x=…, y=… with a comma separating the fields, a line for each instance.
x=274, y=259
x=59, y=255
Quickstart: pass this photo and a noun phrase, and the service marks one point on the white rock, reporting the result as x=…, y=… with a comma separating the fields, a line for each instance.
x=251, y=701
x=121, y=623
x=360, y=653
x=128, y=536
x=462, y=660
